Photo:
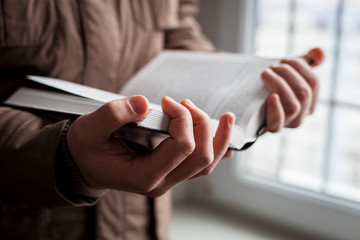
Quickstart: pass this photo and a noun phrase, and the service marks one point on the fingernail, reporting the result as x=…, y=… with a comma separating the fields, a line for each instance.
x=139, y=104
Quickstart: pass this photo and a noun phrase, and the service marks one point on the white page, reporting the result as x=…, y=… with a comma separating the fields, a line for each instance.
x=103, y=97
x=215, y=82
x=52, y=101
x=77, y=89
x=82, y=90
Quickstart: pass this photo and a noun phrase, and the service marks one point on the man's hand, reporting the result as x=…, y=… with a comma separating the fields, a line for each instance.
x=190, y=151
x=294, y=90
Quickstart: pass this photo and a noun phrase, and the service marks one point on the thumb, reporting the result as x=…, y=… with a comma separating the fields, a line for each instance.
x=112, y=115
x=314, y=57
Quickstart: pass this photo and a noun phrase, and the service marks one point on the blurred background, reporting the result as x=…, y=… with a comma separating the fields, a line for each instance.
x=302, y=183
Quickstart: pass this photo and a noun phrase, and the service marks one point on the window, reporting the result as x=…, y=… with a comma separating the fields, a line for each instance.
x=324, y=154
x=308, y=178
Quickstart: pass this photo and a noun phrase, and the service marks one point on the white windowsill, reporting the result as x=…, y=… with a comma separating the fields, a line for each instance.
x=198, y=220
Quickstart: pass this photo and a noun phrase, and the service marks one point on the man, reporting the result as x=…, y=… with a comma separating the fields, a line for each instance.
x=69, y=178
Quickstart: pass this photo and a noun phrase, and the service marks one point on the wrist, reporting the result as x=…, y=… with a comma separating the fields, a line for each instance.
x=69, y=178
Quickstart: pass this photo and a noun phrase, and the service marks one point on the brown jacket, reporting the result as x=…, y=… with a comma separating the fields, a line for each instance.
x=92, y=42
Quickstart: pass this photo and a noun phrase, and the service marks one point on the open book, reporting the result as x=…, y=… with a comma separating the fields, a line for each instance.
x=215, y=82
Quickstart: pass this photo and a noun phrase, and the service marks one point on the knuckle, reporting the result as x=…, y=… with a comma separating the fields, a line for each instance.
x=184, y=113
x=111, y=109
x=146, y=186
x=157, y=193
x=313, y=80
x=274, y=129
x=188, y=147
x=304, y=94
x=284, y=67
x=184, y=116
x=111, y=106
x=207, y=171
x=295, y=124
x=208, y=160
x=294, y=109
x=206, y=117
x=204, y=120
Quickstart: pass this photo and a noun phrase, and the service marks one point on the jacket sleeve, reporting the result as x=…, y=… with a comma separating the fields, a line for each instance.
x=183, y=31
x=33, y=168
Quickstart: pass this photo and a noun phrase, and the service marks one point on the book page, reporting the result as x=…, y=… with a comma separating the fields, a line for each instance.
x=155, y=120
x=215, y=82
x=77, y=89
x=52, y=101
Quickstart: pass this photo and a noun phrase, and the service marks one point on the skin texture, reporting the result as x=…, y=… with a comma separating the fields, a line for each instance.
x=105, y=162
x=294, y=90
x=190, y=151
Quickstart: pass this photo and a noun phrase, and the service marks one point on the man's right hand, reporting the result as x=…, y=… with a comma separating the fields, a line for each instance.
x=190, y=151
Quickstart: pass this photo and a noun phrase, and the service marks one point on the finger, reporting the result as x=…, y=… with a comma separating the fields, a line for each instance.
x=221, y=141
x=203, y=154
x=175, y=149
x=203, y=131
x=275, y=115
x=223, y=135
x=299, y=86
x=277, y=84
x=112, y=115
x=306, y=72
